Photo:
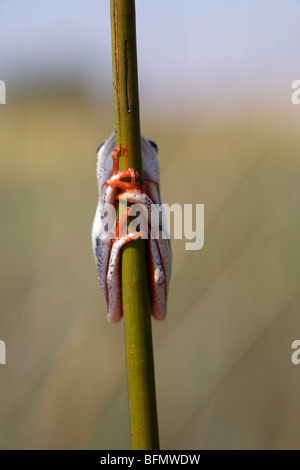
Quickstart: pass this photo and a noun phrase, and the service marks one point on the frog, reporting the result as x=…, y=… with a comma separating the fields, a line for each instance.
x=109, y=239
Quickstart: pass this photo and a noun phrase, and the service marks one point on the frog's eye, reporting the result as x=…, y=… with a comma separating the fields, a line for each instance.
x=99, y=146
x=153, y=145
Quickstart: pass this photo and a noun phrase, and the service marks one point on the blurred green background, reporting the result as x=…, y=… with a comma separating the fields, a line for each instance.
x=224, y=374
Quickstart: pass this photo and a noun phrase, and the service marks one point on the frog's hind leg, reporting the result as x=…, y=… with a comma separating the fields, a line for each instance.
x=114, y=290
x=102, y=238
x=159, y=251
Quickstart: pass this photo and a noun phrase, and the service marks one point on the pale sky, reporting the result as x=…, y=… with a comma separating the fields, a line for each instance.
x=186, y=50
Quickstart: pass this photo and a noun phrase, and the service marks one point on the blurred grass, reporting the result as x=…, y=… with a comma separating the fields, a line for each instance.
x=224, y=375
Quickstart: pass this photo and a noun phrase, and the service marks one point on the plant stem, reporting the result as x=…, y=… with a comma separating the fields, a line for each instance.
x=135, y=287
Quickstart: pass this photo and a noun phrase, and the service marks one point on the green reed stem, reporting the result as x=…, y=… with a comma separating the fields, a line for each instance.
x=135, y=287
